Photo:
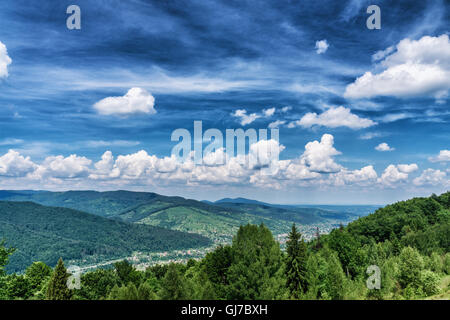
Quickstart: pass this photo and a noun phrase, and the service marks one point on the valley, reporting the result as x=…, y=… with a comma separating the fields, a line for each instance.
x=90, y=228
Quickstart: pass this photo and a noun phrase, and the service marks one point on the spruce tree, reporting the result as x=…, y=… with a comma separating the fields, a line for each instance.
x=57, y=287
x=296, y=263
x=173, y=285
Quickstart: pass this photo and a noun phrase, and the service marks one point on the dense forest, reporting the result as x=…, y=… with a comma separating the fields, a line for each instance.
x=41, y=233
x=408, y=241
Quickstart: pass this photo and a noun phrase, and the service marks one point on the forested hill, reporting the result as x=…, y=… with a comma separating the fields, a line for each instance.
x=105, y=204
x=420, y=222
x=42, y=233
x=218, y=221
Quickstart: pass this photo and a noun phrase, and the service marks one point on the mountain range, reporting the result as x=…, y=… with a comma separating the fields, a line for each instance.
x=95, y=226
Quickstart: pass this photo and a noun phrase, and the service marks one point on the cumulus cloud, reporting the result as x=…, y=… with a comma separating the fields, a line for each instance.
x=318, y=156
x=260, y=167
x=12, y=164
x=5, y=61
x=407, y=168
x=384, y=147
x=70, y=167
x=415, y=68
x=364, y=176
x=136, y=100
x=394, y=174
x=431, y=177
x=443, y=156
x=264, y=153
x=321, y=46
x=334, y=117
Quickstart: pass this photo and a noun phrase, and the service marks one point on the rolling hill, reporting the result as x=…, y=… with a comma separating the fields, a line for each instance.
x=218, y=221
x=42, y=233
x=303, y=214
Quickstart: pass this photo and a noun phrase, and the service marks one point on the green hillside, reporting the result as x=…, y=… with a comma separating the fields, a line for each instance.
x=106, y=204
x=419, y=223
x=47, y=233
x=219, y=221
x=214, y=222
x=298, y=215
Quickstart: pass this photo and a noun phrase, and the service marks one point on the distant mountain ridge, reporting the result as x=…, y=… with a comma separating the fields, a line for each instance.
x=42, y=233
x=218, y=221
x=241, y=200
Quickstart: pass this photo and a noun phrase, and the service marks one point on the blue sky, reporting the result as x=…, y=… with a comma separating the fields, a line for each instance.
x=381, y=95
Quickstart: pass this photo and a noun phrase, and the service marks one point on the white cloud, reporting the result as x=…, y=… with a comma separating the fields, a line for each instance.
x=269, y=112
x=431, y=177
x=10, y=141
x=379, y=55
x=318, y=156
x=264, y=153
x=443, y=156
x=286, y=109
x=407, y=168
x=392, y=175
x=392, y=117
x=244, y=117
x=333, y=118
x=372, y=135
x=70, y=167
x=134, y=165
x=136, y=100
x=384, y=147
x=321, y=46
x=316, y=167
x=12, y=164
x=5, y=61
x=416, y=68
x=276, y=124
x=215, y=158
x=363, y=176
x=103, y=167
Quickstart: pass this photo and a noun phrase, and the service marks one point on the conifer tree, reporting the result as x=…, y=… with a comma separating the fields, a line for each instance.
x=57, y=287
x=296, y=263
x=173, y=286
